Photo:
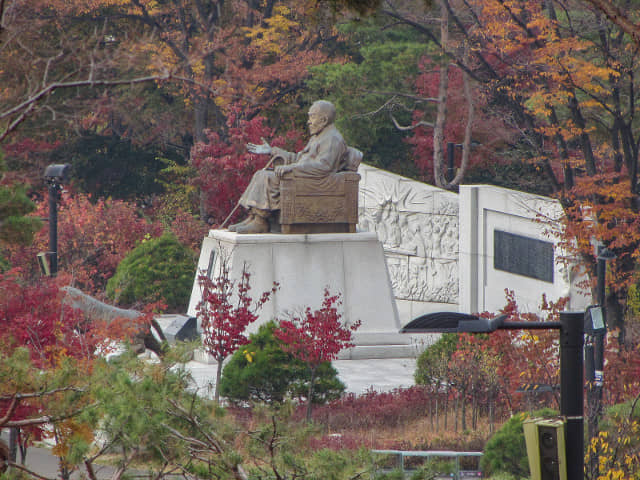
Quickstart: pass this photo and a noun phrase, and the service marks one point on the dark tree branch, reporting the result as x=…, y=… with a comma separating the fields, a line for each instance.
x=28, y=471
x=404, y=128
x=28, y=422
x=618, y=17
x=26, y=106
x=22, y=396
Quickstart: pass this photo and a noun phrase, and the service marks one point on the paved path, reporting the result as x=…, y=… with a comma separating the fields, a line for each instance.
x=382, y=375
x=40, y=461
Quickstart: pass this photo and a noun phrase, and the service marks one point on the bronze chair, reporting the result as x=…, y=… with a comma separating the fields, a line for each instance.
x=328, y=205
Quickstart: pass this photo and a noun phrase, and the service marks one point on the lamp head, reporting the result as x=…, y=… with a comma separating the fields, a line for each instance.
x=57, y=173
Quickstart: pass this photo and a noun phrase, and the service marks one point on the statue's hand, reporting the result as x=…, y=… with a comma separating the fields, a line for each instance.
x=280, y=170
x=265, y=148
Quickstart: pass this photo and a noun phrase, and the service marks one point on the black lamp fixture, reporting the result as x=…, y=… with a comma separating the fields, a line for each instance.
x=571, y=327
x=55, y=175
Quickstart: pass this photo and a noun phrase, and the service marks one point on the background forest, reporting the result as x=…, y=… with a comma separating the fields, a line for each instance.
x=152, y=103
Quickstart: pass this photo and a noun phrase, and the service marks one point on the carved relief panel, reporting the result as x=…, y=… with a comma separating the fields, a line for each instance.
x=418, y=227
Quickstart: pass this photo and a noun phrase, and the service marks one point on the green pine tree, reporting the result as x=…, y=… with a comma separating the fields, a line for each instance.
x=15, y=224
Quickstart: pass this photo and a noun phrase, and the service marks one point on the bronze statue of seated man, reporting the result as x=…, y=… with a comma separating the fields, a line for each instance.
x=322, y=156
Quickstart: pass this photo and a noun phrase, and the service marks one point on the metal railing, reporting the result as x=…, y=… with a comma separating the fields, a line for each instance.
x=402, y=454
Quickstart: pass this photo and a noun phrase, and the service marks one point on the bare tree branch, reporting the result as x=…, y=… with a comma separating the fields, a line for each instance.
x=421, y=123
x=78, y=83
x=28, y=471
x=410, y=96
x=21, y=396
x=28, y=422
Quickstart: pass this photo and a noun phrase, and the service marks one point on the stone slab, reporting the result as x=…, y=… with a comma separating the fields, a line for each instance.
x=352, y=264
x=176, y=327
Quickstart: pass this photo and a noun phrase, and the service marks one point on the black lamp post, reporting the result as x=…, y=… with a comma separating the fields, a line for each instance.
x=596, y=329
x=571, y=326
x=55, y=175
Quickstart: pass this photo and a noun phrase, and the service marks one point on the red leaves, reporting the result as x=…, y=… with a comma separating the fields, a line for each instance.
x=319, y=336
x=225, y=167
x=225, y=312
x=488, y=130
x=374, y=409
x=93, y=237
x=35, y=317
x=621, y=369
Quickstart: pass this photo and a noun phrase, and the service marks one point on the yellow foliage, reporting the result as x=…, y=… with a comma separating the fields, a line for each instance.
x=615, y=462
x=66, y=431
x=273, y=38
x=248, y=355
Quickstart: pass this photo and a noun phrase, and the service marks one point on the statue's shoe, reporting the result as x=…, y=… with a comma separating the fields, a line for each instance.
x=257, y=225
x=246, y=221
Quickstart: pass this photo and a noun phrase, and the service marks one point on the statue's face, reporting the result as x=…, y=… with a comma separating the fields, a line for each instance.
x=317, y=121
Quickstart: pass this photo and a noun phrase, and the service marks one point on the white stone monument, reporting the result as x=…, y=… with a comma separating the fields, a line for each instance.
x=441, y=246
x=512, y=240
x=419, y=249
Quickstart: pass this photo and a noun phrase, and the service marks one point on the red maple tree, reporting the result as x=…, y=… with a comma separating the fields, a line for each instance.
x=93, y=237
x=225, y=312
x=224, y=167
x=59, y=343
x=317, y=337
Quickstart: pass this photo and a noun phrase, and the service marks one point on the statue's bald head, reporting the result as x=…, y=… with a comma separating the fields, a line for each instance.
x=325, y=108
x=321, y=115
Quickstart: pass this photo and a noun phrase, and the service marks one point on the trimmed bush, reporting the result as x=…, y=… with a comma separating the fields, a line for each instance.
x=157, y=269
x=262, y=372
x=506, y=451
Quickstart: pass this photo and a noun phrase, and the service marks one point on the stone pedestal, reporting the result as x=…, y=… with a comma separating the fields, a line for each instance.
x=352, y=264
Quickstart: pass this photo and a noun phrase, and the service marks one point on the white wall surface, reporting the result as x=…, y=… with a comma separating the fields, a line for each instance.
x=485, y=209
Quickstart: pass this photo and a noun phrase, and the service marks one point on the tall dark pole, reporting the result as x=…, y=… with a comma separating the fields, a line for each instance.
x=53, y=227
x=599, y=338
x=450, y=163
x=600, y=274
x=571, y=389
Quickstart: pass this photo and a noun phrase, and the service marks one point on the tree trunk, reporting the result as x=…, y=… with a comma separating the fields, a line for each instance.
x=441, y=115
x=4, y=456
x=491, y=419
x=456, y=410
x=431, y=411
x=468, y=131
x=446, y=407
x=463, y=409
x=218, y=377
x=585, y=141
x=310, y=393
x=474, y=411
